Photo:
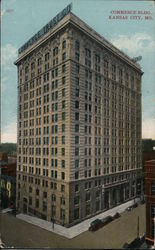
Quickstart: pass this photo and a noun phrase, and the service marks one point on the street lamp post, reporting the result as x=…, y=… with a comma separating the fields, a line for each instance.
x=138, y=227
x=0, y=187
x=154, y=230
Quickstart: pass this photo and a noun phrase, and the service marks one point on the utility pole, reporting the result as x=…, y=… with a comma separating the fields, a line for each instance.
x=153, y=246
x=0, y=189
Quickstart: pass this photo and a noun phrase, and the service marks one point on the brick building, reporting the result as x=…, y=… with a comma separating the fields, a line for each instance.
x=7, y=180
x=150, y=201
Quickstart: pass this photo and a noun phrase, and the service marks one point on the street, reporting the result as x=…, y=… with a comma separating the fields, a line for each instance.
x=18, y=233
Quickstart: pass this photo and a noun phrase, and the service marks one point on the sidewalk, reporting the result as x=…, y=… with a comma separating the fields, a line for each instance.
x=6, y=210
x=77, y=229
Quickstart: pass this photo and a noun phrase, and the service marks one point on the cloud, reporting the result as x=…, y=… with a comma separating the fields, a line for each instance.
x=8, y=55
x=134, y=44
x=9, y=10
x=148, y=128
x=9, y=133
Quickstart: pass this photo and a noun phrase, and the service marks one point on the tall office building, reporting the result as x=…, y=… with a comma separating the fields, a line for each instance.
x=79, y=123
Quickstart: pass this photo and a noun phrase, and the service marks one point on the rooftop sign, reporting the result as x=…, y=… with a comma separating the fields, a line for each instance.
x=46, y=28
x=136, y=59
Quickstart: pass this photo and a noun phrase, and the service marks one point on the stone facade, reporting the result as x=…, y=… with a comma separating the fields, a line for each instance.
x=79, y=125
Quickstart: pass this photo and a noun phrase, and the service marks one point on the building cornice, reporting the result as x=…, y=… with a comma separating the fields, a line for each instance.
x=83, y=27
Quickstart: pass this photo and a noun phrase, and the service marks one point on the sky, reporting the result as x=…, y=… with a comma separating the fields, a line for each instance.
x=21, y=19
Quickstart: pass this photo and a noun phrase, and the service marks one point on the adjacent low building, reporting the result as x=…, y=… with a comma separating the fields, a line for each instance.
x=150, y=201
x=79, y=123
x=7, y=180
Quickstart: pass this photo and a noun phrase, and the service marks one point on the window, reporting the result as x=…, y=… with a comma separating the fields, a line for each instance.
x=76, y=163
x=114, y=72
x=39, y=61
x=76, y=188
x=76, y=127
x=97, y=58
x=37, y=191
x=63, y=151
x=76, y=139
x=53, y=197
x=88, y=209
x=153, y=210
x=62, y=175
x=30, y=200
x=106, y=67
x=62, y=214
x=76, y=116
x=63, y=104
x=153, y=228
x=76, y=151
x=26, y=70
x=63, y=92
x=63, y=127
x=153, y=188
x=76, y=200
x=63, y=68
x=63, y=139
x=62, y=200
x=97, y=205
x=63, y=116
x=76, y=213
x=77, y=68
x=97, y=193
x=76, y=104
x=37, y=203
x=55, y=51
x=77, y=56
x=63, y=80
x=62, y=188
x=64, y=44
x=53, y=73
x=47, y=56
x=87, y=198
x=56, y=162
x=88, y=53
x=77, y=92
x=55, y=174
x=77, y=82
x=63, y=163
x=44, y=194
x=64, y=56
x=77, y=45
x=77, y=175
x=32, y=66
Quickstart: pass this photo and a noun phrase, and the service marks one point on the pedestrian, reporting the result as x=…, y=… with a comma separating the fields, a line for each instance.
x=53, y=223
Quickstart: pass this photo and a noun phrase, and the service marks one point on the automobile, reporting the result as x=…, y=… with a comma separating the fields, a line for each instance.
x=135, y=205
x=117, y=215
x=142, y=202
x=12, y=211
x=107, y=220
x=95, y=224
x=129, y=208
